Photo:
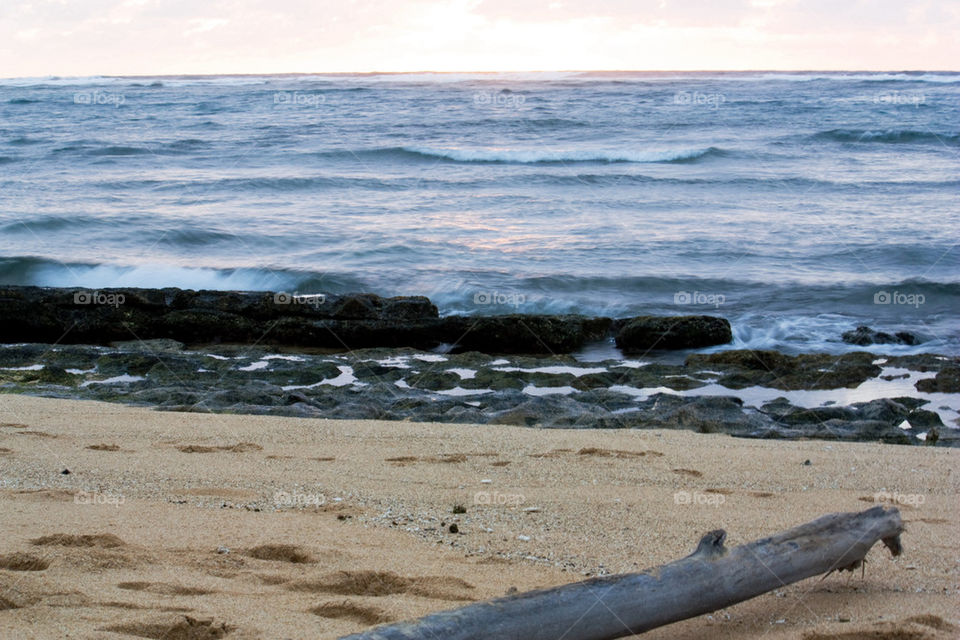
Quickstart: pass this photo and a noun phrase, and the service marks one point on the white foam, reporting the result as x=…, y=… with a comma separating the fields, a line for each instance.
x=429, y=357
x=32, y=367
x=947, y=405
x=633, y=364
x=465, y=374
x=537, y=155
x=460, y=391
x=255, y=366
x=283, y=357
x=533, y=390
x=345, y=378
x=125, y=378
x=399, y=362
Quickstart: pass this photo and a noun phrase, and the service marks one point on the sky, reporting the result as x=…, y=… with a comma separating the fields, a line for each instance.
x=156, y=37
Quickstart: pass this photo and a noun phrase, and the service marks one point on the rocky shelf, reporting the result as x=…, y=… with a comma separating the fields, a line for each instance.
x=757, y=394
x=339, y=323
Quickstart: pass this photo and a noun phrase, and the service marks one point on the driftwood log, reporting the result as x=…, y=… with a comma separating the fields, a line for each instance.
x=711, y=578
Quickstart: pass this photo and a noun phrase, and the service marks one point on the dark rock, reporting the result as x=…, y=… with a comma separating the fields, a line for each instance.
x=864, y=335
x=706, y=414
x=947, y=380
x=518, y=333
x=923, y=419
x=774, y=369
x=883, y=409
x=645, y=333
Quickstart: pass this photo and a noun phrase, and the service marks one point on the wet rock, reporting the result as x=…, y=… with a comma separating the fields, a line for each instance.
x=864, y=335
x=746, y=368
x=645, y=333
x=947, y=380
x=517, y=333
x=706, y=414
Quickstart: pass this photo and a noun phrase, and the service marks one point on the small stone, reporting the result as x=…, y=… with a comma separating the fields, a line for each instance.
x=65, y=472
x=454, y=528
x=807, y=463
x=523, y=538
x=223, y=550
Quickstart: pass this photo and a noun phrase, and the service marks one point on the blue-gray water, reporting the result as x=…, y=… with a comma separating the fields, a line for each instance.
x=797, y=205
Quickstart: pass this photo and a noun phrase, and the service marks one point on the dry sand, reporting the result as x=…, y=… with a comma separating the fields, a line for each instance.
x=326, y=527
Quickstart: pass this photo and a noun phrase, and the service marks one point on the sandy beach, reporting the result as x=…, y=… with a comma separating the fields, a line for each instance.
x=123, y=522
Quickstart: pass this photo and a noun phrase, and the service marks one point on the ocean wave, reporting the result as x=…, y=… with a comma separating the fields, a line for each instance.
x=95, y=148
x=47, y=272
x=22, y=101
x=119, y=150
x=541, y=156
x=23, y=140
x=889, y=136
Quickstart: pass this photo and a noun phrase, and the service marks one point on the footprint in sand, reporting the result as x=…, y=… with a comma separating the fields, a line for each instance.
x=104, y=447
x=165, y=589
x=179, y=628
x=23, y=562
x=688, y=472
x=280, y=553
x=351, y=611
x=101, y=540
x=615, y=453
x=386, y=583
x=240, y=447
x=912, y=628
x=94, y=552
x=443, y=457
x=19, y=591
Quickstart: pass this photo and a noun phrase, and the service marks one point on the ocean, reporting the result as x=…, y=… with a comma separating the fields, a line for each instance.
x=797, y=205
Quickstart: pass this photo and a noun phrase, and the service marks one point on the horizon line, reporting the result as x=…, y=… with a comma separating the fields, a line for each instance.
x=434, y=72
